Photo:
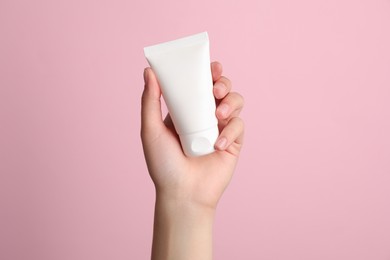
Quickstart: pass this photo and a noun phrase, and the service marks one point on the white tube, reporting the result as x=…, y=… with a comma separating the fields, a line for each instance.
x=183, y=70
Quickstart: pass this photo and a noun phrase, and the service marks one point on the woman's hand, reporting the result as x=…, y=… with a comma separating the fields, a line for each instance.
x=198, y=180
x=188, y=188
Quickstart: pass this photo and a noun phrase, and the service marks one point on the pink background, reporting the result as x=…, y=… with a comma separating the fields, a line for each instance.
x=313, y=181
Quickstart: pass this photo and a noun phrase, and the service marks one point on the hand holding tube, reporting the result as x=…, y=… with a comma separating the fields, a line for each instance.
x=174, y=173
x=188, y=188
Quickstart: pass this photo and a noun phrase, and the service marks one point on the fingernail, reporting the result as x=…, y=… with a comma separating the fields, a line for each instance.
x=221, y=143
x=223, y=110
x=146, y=75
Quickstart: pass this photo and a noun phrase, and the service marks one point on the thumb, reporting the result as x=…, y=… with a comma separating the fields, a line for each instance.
x=151, y=117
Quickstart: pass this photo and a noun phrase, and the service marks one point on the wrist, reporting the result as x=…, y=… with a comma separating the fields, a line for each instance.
x=173, y=211
x=189, y=197
x=180, y=223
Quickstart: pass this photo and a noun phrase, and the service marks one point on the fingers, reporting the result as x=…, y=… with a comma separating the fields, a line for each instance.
x=222, y=87
x=232, y=133
x=216, y=70
x=151, y=117
x=230, y=106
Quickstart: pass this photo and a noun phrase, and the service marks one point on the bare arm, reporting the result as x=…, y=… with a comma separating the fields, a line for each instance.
x=188, y=189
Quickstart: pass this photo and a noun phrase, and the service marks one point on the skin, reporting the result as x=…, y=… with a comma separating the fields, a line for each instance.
x=188, y=188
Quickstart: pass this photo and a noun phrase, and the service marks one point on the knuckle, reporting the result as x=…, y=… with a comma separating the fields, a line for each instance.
x=226, y=81
x=237, y=97
x=239, y=123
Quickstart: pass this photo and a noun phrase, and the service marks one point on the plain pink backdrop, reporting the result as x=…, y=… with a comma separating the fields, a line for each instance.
x=313, y=181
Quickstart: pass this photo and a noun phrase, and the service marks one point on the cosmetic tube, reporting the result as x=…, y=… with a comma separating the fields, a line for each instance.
x=183, y=71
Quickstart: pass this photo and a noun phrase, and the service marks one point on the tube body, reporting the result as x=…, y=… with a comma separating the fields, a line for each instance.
x=183, y=70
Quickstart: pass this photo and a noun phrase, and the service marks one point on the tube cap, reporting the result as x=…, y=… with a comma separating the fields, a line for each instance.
x=199, y=143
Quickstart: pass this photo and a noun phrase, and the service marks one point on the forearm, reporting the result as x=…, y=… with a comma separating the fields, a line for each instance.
x=182, y=230
x=188, y=188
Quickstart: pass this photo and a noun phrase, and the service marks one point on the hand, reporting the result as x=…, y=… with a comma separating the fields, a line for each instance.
x=188, y=188
x=196, y=180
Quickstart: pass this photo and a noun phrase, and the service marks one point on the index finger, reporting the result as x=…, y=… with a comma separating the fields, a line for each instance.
x=216, y=70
